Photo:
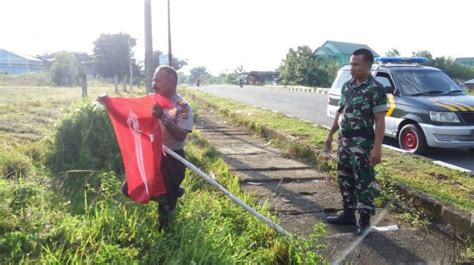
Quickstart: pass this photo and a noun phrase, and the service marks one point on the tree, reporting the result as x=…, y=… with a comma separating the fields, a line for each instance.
x=232, y=78
x=64, y=71
x=179, y=63
x=113, y=54
x=300, y=67
x=392, y=52
x=447, y=65
x=424, y=53
x=182, y=78
x=330, y=67
x=199, y=74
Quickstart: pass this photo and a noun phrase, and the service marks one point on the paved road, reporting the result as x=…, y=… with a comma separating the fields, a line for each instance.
x=312, y=107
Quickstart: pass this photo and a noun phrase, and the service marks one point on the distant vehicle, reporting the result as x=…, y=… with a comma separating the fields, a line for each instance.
x=241, y=82
x=426, y=108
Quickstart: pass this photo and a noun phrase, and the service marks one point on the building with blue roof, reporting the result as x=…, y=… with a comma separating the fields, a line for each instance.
x=15, y=64
x=340, y=51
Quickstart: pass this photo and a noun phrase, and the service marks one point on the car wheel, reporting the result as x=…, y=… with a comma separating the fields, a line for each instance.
x=412, y=139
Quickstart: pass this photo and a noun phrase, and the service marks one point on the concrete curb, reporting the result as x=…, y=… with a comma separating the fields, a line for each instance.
x=448, y=219
x=318, y=90
x=304, y=89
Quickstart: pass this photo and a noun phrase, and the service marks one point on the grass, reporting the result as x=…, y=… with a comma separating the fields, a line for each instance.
x=449, y=186
x=59, y=198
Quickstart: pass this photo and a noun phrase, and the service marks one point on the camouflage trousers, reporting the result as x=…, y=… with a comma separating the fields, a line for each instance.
x=355, y=177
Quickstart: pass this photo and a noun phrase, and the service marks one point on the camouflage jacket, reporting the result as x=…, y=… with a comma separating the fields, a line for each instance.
x=357, y=108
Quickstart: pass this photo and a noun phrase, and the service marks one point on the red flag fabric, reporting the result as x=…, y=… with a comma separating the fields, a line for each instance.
x=139, y=137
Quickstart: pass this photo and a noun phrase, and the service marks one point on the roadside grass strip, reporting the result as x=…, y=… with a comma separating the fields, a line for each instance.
x=60, y=202
x=446, y=185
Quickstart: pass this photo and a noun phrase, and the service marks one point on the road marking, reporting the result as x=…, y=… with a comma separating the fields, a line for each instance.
x=444, y=164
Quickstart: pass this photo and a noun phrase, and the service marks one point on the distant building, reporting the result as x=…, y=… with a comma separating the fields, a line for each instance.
x=469, y=84
x=465, y=61
x=13, y=63
x=340, y=51
x=261, y=77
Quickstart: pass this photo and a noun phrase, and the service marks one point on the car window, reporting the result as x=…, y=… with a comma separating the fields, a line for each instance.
x=383, y=79
x=341, y=78
x=412, y=82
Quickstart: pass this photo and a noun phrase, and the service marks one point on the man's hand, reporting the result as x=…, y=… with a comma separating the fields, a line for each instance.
x=334, y=128
x=101, y=99
x=157, y=112
x=328, y=144
x=375, y=156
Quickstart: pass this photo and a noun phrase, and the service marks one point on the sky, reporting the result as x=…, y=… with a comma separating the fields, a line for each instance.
x=225, y=34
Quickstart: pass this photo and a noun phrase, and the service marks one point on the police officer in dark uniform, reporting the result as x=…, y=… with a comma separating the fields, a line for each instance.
x=176, y=123
x=362, y=105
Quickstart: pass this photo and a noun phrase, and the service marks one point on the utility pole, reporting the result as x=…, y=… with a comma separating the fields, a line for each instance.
x=130, y=65
x=170, y=54
x=148, y=48
x=131, y=71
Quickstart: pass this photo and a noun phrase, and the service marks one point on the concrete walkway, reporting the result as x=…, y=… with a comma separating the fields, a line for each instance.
x=302, y=197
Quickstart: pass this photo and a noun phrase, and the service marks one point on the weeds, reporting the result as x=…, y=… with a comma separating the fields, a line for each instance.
x=67, y=208
x=452, y=188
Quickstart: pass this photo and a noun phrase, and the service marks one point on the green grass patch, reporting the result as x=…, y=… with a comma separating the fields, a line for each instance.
x=28, y=112
x=446, y=185
x=64, y=204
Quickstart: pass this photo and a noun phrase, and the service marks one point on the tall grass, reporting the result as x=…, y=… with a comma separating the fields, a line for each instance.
x=27, y=79
x=65, y=207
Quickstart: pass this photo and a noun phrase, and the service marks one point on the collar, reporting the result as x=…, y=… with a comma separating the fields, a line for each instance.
x=353, y=82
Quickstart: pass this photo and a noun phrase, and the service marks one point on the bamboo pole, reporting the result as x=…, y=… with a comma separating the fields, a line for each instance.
x=214, y=183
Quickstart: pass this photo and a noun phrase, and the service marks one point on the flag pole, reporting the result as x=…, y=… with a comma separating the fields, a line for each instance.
x=214, y=183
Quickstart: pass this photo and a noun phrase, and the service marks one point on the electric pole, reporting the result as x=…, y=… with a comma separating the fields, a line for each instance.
x=148, y=48
x=170, y=54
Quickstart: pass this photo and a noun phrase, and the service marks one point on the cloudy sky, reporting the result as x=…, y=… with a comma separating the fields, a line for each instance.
x=224, y=34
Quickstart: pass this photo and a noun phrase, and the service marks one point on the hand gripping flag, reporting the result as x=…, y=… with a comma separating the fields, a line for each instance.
x=138, y=134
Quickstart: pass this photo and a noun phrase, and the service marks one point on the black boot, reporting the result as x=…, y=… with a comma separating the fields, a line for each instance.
x=124, y=189
x=345, y=218
x=364, y=224
x=163, y=215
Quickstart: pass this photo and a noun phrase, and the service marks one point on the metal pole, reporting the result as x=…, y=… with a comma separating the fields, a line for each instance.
x=226, y=192
x=130, y=67
x=148, y=47
x=170, y=54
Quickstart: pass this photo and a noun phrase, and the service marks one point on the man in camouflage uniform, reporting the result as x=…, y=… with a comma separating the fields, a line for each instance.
x=363, y=103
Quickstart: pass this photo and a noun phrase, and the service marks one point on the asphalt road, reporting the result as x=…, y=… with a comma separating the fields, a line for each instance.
x=312, y=107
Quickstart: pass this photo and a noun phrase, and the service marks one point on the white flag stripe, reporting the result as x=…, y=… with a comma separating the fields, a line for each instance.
x=133, y=124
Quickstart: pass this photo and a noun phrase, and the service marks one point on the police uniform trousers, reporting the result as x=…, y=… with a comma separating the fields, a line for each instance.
x=172, y=172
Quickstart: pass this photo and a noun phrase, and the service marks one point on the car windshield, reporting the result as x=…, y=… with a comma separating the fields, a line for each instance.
x=424, y=82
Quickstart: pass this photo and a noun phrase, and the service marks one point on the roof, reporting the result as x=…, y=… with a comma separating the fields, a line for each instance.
x=464, y=60
x=397, y=67
x=27, y=57
x=347, y=48
x=469, y=82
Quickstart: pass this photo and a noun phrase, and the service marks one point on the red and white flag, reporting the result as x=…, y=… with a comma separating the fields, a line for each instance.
x=138, y=134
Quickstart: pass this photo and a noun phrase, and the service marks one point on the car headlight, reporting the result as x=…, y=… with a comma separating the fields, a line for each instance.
x=444, y=117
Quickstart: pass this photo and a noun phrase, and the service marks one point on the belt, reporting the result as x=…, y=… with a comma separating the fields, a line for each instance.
x=367, y=133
